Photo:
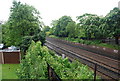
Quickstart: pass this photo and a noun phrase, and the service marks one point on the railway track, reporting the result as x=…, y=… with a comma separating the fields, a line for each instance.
x=107, y=67
x=101, y=51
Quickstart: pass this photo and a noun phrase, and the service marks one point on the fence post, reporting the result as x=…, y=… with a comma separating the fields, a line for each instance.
x=95, y=69
x=52, y=76
x=49, y=71
x=63, y=56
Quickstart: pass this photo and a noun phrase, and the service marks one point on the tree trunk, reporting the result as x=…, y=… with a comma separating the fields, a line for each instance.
x=116, y=40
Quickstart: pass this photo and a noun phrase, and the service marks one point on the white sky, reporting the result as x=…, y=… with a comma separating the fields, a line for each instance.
x=54, y=9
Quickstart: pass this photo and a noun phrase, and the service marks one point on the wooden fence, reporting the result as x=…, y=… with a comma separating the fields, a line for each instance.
x=10, y=57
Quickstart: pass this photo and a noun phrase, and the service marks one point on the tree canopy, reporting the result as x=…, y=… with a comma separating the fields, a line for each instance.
x=72, y=29
x=24, y=20
x=90, y=25
x=60, y=26
x=113, y=20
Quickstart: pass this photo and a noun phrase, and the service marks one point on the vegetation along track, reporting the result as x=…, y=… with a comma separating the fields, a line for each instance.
x=108, y=67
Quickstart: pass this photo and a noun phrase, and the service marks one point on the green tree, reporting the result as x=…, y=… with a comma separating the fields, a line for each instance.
x=54, y=23
x=102, y=30
x=113, y=20
x=23, y=21
x=0, y=31
x=89, y=25
x=46, y=28
x=72, y=29
x=26, y=41
x=60, y=26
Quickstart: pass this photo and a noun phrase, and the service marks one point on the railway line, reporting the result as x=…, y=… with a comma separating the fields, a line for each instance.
x=107, y=67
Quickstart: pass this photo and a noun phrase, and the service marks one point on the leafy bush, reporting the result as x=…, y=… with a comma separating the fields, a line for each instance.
x=26, y=41
x=53, y=36
x=34, y=66
x=39, y=37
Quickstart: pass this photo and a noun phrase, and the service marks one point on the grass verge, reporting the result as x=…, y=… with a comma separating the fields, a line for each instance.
x=0, y=72
x=9, y=71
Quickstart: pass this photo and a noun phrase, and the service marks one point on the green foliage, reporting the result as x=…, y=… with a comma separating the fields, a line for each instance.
x=90, y=26
x=72, y=29
x=26, y=41
x=9, y=71
x=23, y=21
x=53, y=36
x=39, y=37
x=88, y=42
x=46, y=28
x=60, y=26
x=113, y=20
x=34, y=65
x=67, y=70
x=0, y=33
x=93, y=26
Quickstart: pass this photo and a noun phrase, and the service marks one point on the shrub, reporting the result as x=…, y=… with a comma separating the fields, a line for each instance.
x=26, y=41
x=34, y=66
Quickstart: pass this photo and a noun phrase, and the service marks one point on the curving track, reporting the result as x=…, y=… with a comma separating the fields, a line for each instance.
x=107, y=67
